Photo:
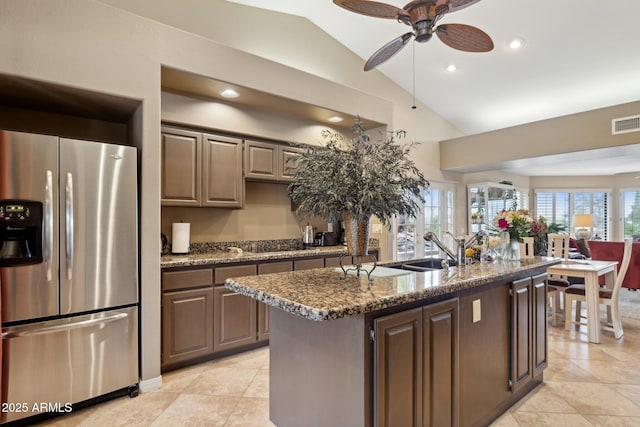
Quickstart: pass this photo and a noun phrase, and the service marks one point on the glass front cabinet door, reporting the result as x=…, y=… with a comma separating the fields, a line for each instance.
x=487, y=199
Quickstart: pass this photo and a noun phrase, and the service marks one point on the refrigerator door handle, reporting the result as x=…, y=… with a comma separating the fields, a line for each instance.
x=63, y=327
x=69, y=225
x=48, y=225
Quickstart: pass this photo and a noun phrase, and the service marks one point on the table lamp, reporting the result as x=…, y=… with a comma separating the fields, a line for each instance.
x=583, y=224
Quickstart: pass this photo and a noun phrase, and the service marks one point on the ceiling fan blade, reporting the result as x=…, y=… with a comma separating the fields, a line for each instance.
x=464, y=37
x=460, y=4
x=387, y=51
x=372, y=8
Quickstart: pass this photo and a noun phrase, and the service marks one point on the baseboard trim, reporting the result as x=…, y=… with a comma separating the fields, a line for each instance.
x=151, y=384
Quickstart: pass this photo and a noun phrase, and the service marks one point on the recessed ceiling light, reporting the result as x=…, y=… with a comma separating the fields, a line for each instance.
x=516, y=43
x=335, y=119
x=229, y=93
x=451, y=68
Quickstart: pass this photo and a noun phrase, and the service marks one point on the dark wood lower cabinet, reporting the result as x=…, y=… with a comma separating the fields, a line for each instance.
x=485, y=324
x=235, y=320
x=529, y=339
x=187, y=323
x=416, y=367
x=440, y=358
x=398, y=369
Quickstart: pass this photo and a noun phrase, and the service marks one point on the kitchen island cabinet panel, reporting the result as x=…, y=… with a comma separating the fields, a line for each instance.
x=484, y=354
x=181, y=167
x=358, y=359
x=440, y=355
x=539, y=284
x=397, y=368
x=522, y=297
x=529, y=340
x=187, y=324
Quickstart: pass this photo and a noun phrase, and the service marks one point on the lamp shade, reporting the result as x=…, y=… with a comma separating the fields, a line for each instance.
x=583, y=220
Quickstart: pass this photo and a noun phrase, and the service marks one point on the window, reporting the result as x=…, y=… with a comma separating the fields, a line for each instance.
x=631, y=213
x=436, y=215
x=560, y=206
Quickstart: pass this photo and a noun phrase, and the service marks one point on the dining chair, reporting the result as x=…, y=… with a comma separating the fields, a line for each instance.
x=607, y=296
x=558, y=247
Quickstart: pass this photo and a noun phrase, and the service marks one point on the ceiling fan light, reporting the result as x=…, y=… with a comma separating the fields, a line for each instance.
x=229, y=93
x=516, y=43
x=451, y=68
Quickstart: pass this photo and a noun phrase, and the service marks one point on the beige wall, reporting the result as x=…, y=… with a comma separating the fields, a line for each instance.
x=577, y=132
x=89, y=45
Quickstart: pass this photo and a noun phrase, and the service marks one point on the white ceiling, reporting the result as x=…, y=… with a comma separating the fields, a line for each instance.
x=579, y=55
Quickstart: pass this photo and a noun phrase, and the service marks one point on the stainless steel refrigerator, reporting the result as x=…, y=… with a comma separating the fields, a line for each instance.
x=68, y=272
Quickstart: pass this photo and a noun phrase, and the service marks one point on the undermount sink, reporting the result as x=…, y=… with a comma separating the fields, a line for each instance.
x=426, y=264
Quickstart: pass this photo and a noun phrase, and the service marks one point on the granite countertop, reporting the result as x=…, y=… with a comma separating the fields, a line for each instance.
x=226, y=257
x=321, y=294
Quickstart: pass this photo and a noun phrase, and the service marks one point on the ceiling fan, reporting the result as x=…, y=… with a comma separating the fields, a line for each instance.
x=422, y=16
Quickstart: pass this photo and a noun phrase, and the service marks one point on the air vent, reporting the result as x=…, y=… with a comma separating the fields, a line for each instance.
x=625, y=125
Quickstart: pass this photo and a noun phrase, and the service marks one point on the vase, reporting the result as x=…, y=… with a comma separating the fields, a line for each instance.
x=356, y=233
x=513, y=251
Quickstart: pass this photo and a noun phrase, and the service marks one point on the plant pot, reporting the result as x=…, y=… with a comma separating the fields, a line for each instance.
x=357, y=234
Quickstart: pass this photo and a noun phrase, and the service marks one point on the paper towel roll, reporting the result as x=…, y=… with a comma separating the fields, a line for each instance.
x=180, y=237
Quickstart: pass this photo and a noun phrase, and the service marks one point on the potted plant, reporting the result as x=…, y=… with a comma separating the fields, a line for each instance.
x=354, y=179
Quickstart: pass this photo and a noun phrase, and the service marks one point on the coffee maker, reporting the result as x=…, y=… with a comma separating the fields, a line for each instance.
x=20, y=232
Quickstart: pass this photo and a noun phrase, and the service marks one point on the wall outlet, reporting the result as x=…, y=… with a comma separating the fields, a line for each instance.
x=376, y=228
x=477, y=311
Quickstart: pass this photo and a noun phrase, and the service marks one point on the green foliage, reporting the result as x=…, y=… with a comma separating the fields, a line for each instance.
x=360, y=176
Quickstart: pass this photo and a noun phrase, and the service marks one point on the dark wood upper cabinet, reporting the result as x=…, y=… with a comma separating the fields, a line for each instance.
x=260, y=160
x=201, y=169
x=222, y=184
x=266, y=161
x=181, y=167
x=287, y=162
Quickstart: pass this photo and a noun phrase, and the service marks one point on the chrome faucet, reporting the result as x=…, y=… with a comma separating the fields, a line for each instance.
x=459, y=255
x=429, y=236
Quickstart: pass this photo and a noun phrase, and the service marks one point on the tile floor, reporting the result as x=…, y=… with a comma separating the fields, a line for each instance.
x=585, y=385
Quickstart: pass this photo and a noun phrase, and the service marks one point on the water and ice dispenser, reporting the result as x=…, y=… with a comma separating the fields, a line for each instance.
x=20, y=232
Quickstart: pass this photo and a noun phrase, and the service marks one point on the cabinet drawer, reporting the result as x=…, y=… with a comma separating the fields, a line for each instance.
x=334, y=261
x=223, y=273
x=306, y=264
x=275, y=267
x=172, y=280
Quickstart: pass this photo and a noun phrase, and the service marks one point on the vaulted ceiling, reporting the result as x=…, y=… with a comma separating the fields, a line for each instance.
x=578, y=55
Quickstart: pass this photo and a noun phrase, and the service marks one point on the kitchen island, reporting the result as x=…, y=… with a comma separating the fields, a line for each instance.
x=442, y=347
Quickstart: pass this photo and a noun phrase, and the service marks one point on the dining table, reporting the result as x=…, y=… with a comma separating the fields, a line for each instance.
x=589, y=270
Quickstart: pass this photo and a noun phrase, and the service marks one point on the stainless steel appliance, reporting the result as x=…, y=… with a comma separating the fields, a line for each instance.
x=325, y=238
x=68, y=272
x=307, y=236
